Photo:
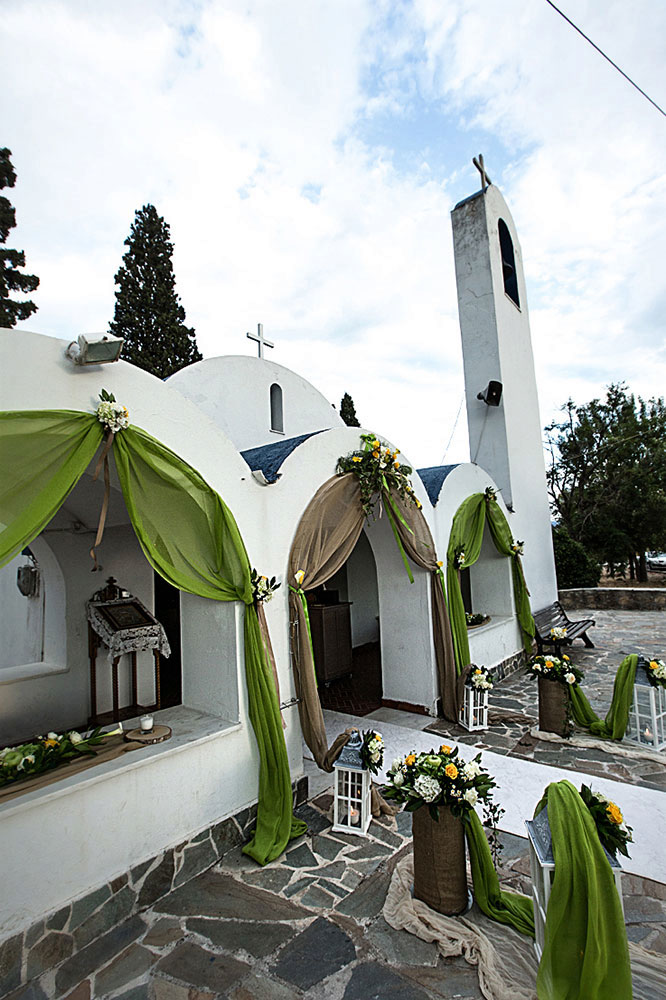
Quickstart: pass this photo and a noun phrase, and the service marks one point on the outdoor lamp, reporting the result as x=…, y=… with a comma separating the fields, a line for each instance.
x=351, y=807
x=474, y=709
x=91, y=350
x=492, y=394
x=647, y=716
x=542, y=869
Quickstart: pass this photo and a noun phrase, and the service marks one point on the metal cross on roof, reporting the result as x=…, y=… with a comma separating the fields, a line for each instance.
x=485, y=179
x=259, y=338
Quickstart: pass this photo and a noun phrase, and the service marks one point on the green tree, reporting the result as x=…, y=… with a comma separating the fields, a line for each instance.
x=348, y=411
x=148, y=312
x=11, y=279
x=607, y=476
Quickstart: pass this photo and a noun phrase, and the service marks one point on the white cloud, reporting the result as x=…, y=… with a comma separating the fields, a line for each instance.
x=242, y=123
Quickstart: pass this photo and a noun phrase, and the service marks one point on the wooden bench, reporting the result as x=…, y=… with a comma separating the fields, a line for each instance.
x=554, y=616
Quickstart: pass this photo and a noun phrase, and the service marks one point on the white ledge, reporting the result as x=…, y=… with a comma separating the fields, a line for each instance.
x=28, y=671
x=190, y=728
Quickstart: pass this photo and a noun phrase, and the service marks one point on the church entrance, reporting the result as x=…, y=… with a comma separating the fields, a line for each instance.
x=344, y=616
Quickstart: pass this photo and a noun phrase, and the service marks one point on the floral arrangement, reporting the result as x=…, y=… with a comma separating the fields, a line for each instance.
x=554, y=668
x=481, y=678
x=472, y=619
x=377, y=468
x=614, y=834
x=372, y=751
x=459, y=557
x=518, y=548
x=558, y=633
x=438, y=779
x=490, y=494
x=656, y=672
x=113, y=415
x=262, y=588
x=46, y=752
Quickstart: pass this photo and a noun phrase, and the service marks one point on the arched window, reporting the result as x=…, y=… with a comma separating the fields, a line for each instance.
x=277, y=416
x=508, y=263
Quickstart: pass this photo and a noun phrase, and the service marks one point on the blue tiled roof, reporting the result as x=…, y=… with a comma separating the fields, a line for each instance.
x=269, y=457
x=433, y=478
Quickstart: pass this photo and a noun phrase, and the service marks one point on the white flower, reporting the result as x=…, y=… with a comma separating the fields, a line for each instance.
x=428, y=788
x=398, y=779
x=75, y=737
x=299, y=576
x=395, y=766
x=570, y=678
x=52, y=736
x=375, y=756
x=471, y=795
x=471, y=770
x=537, y=666
x=455, y=793
x=29, y=758
x=558, y=633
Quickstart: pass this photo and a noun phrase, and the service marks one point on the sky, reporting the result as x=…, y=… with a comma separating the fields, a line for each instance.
x=306, y=155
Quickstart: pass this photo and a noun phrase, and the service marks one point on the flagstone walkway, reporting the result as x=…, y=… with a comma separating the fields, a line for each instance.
x=309, y=926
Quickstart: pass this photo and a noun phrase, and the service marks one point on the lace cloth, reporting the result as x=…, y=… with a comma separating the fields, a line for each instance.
x=127, y=640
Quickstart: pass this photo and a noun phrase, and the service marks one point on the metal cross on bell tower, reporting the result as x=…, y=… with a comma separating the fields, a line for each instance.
x=259, y=338
x=485, y=179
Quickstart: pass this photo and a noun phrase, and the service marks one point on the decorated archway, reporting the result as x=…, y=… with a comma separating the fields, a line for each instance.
x=464, y=549
x=188, y=535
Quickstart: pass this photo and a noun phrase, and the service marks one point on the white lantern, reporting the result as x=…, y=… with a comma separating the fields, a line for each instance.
x=351, y=806
x=542, y=869
x=474, y=709
x=647, y=718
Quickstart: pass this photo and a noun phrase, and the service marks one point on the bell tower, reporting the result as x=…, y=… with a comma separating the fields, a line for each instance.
x=503, y=419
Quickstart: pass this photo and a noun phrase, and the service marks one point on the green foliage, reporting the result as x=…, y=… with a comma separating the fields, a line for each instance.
x=11, y=279
x=148, y=312
x=575, y=568
x=348, y=411
x=607, y=477
x=378, y=471
x=613, y=832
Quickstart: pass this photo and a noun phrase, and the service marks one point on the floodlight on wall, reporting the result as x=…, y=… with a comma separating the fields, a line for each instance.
x=492, y=394
x=91, y=350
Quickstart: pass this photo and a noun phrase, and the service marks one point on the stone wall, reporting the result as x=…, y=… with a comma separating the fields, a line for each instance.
x=615, y=598
x=73, y=937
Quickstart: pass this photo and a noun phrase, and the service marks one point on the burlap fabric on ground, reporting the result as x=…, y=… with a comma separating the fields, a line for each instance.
x=506, y=961
x=440, y=870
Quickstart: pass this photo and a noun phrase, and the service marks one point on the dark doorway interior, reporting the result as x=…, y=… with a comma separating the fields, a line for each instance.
x=360, y=692
x=167, y=611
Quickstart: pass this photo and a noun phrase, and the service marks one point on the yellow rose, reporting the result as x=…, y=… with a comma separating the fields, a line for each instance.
x=548, y=664
x=478, y=670
x=410, y=759
x=614, y=813
x=355, y=458
x=375, y=454
x=654, y=665
x=397, y=465
x=375, y=443
x=440, y=563
x=451, y=771
x=50, y=743
x=444, y=748
x=565, y=657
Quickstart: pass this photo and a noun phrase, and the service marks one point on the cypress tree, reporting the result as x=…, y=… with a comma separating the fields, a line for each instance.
x=348, y=411
x=11, y=279
x=148, y=312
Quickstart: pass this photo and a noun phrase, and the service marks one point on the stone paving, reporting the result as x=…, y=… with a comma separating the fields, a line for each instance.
x=308, y=926
x=514, y=702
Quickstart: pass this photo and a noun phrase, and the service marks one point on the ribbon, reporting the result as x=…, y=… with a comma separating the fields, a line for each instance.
x=301, y=594
x=399, y=543
x=103, y=459
x=268, y=649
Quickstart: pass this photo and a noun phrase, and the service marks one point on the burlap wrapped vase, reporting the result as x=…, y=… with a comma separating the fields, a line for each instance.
x=440, y=876
x=553, y=707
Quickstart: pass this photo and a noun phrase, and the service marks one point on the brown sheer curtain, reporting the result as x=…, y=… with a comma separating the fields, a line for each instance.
x=325, y=538
x=420, y=547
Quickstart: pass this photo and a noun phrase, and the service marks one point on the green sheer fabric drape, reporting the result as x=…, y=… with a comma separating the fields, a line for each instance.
x=510, y=908
x=466, y=537
x=188, y=535
x=43, y=454
x=614, y=726
x=585, y=949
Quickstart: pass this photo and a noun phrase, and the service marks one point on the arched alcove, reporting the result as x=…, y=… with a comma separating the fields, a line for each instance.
x=508, y=263
x=277, y=412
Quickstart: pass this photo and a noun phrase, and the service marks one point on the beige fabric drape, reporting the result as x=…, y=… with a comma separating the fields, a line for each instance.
x=420, y=548
x=325, y=538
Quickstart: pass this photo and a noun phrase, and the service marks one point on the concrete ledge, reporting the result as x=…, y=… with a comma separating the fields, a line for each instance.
x=615, y=598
